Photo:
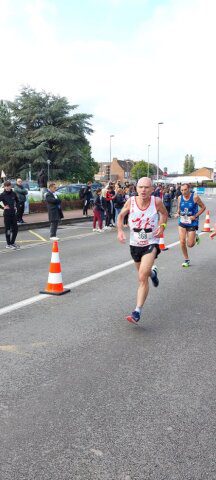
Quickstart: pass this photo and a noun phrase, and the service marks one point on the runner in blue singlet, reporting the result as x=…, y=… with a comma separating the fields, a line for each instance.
x=188, y=213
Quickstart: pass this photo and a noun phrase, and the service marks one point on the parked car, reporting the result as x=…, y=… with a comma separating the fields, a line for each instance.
x=71, y=188
x=96, y=185
x=32, y=187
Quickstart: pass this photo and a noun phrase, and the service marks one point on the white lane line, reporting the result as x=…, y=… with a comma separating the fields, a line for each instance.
x=23, y=303
x=78, y=283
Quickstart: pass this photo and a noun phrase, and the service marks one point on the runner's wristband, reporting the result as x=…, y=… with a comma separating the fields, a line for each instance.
x=163, y=225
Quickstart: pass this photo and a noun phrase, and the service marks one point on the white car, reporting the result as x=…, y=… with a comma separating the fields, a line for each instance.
x=33, y=192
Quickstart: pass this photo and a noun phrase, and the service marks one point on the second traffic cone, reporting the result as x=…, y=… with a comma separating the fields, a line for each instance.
x=162, y=243
x=54, y=284
x=206, y=227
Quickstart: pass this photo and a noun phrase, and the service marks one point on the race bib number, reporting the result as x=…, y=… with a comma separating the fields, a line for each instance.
x=185, y=219
x=142, y=237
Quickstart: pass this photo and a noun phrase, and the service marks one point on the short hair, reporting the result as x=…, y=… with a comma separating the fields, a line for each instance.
x=51, y=184
x=7, y=183
x=98, y=190
x=19, y=178
x=187, y=184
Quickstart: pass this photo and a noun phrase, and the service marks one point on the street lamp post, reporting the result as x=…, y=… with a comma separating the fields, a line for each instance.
x=159, y=123
x=30, y=172
x=127, y=162
x=111, y=136
x=148, y=159
x=48, y=169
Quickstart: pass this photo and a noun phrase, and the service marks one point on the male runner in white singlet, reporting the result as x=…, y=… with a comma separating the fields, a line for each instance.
x=147, y=221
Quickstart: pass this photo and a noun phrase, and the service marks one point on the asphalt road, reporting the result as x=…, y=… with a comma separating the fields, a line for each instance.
x=87, y=396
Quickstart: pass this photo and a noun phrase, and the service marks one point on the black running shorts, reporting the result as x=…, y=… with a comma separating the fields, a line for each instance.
x=138, y=252
x=189, y=229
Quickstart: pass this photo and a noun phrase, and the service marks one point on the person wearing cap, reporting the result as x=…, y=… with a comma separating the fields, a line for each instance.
x=10, y=204
x=147, y=221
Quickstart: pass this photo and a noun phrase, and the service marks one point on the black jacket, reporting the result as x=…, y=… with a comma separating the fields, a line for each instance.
x=54, y=207
x=119, y=200
x=10, y=199
x=42, y=179
x=88, y=195
x=98, y=204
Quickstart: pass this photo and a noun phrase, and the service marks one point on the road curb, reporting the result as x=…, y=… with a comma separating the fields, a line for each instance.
x=64, y=221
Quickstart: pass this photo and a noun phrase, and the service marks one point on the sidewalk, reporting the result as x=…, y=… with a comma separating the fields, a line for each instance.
x=40, y=220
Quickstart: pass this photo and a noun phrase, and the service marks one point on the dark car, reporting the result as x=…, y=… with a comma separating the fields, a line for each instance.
x=96, y=185
x=72, y=188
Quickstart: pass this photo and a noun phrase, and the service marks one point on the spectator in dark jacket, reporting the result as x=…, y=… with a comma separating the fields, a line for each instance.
x=167, y=198
x=21, y=194
x=54, y=210
x=10, y=202
x=42, y=182
x=88, y=197
x=98, y=210
x=119, y=201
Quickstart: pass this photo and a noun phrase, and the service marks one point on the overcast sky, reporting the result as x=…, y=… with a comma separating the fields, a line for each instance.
x=130, y=63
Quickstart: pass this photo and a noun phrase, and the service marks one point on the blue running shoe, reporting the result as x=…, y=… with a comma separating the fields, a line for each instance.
x=154, y=276
x=134, y=317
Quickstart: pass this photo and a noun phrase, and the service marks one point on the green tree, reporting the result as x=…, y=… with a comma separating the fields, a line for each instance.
x=140, y=169
x=46, y=127
x=8, y=138
x=189, y=165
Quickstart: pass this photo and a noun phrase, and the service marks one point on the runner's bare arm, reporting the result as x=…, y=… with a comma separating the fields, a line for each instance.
x=124, y=211
x=202, y=206
x=163, y=216
x=178, y=208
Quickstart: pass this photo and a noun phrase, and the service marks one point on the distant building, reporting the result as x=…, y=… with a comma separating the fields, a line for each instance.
x=203, y=172
x=120, y=170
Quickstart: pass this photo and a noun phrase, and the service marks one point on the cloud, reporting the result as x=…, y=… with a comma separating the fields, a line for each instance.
x=164, y=71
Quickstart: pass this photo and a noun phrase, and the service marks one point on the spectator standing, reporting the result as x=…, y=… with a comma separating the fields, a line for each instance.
x=87, y=197
x=55, y=213
x=42, y=182
x=98, y=211
x=10, y=202
x=109, y=207
x=119, y=201
x=21, y=194
x=167, y=198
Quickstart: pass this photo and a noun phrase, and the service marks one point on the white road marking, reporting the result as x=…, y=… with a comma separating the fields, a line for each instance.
x=78, y=283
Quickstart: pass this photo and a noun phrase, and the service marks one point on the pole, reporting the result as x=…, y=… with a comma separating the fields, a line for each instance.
x=110, y=156
x=148, y=159
x=159, y=123
x=48, y=169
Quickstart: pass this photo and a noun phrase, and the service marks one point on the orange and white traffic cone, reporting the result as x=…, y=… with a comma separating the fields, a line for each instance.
x=55, y=285
x=162, y=243
x=206, y=227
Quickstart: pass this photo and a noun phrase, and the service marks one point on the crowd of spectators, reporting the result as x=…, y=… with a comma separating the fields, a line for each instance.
x=110, y=199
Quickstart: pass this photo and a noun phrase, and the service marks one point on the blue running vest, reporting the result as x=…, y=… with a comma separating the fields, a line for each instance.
x=188, y=208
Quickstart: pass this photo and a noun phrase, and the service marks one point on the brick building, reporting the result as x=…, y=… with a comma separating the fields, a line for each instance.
x=203, y=172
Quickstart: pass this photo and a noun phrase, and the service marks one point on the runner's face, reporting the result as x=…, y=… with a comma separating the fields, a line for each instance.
x=144, y=190
x=185, y=190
